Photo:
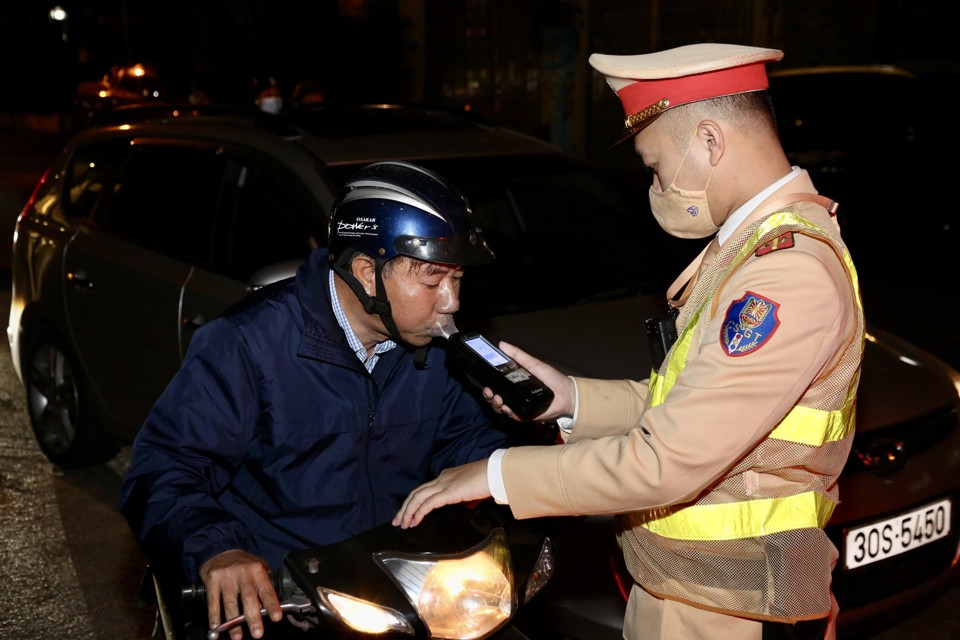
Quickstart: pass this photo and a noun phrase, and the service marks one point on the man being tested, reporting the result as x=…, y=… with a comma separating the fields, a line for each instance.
x=723, y=465
x=306, y=415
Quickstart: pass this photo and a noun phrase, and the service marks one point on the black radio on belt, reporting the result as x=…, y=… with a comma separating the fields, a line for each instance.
x=488, y=366
x=661, y=334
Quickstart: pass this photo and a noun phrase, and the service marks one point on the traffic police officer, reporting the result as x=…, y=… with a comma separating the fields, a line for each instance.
x=723, y=465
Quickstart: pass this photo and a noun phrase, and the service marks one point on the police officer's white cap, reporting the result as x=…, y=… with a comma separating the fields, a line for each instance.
x=651, y=83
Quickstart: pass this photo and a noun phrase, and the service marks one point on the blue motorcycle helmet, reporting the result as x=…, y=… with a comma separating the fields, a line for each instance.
x=393, y=208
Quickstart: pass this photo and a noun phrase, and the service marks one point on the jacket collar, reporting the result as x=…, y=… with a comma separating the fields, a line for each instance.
x=322, y=338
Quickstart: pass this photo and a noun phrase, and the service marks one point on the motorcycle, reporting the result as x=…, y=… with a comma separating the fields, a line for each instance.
x=462, y=574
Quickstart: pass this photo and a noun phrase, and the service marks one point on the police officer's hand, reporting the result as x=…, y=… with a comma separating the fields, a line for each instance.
x=237, y=577
x=455, y=484
x=564, y=390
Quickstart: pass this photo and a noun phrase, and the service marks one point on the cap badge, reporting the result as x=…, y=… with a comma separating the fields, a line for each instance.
x=650, y=111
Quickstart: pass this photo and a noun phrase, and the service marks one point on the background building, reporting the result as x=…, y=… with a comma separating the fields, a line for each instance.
x=522, y=63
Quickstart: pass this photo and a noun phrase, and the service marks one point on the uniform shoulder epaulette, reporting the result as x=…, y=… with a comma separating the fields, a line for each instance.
x=782, y=241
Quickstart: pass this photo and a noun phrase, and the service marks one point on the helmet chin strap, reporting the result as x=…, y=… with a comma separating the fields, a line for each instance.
x=379, y=305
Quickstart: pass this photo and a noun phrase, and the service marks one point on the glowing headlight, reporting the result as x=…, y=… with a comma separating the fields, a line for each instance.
x=362, y=615
x=462, y=596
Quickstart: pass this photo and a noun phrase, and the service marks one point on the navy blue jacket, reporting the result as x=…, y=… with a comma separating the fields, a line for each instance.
x=273, y=437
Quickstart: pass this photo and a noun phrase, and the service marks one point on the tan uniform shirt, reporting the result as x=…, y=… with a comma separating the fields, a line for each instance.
x=621, y=458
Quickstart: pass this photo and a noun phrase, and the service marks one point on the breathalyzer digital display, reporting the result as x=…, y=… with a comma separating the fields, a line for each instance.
x=488, y=366
x=487, y=351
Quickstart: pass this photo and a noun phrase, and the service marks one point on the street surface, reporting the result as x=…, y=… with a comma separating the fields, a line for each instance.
x=68, y=563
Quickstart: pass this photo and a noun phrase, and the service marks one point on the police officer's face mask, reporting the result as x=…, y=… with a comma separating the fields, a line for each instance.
x=683, y=213
x=271, y=104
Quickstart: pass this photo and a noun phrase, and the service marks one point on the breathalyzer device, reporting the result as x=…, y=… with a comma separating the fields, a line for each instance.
x=488, y=366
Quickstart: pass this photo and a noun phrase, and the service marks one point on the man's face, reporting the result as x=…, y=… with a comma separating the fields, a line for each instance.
x=666, y=162
x=422, y=294
x=650, y=148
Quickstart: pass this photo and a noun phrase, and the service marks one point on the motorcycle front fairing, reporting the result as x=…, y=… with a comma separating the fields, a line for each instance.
x=461, y=574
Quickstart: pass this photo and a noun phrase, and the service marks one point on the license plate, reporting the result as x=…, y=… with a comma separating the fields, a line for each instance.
x=902, y=533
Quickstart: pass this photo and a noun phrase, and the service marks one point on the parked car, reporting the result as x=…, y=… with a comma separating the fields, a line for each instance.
x=145, y=228
x=119, y=86
x=870, y=144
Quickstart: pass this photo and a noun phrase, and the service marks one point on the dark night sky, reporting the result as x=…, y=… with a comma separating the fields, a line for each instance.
x=222, y=44
x=355, y=47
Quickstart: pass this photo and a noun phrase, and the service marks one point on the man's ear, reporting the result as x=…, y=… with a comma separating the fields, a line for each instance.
x=712, y=135
x=364, y=269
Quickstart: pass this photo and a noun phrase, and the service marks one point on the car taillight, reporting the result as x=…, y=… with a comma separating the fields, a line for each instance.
x=29, y=205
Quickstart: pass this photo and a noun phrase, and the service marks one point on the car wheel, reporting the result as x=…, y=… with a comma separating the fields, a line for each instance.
x=57, y=403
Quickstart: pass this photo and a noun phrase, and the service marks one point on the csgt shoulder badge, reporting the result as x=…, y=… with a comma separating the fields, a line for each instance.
x=748, y=324
x=782, y=241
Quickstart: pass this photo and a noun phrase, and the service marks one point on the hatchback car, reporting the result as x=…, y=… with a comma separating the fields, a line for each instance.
x=146, y=227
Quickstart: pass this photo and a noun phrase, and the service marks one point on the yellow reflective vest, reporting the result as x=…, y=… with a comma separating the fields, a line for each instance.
x=753, y=544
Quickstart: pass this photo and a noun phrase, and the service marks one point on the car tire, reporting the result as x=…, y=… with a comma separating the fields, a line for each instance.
x=58, y=405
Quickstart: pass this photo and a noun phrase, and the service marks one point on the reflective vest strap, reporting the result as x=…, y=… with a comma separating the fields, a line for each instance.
x=750, y=519
x=655, y=391
x=659, y=386
x=805, y=425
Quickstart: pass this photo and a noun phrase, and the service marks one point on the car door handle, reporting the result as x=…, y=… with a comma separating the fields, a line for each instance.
x=79, y=279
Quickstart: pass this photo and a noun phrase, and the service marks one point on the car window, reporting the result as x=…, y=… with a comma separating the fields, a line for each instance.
x=164, y=198
x=264, y=224
x=89, y=170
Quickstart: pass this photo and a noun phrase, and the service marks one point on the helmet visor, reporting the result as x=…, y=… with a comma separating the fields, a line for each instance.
x=466, y=250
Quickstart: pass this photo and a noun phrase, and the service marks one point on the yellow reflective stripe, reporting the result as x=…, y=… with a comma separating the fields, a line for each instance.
x=814, y=427
x=659, y=386
x=785, y=217
x=678, y=355
x=748, y=519
x=655, y=386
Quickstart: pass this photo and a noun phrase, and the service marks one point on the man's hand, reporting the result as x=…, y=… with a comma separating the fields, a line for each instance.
x=237, y=577
x=456, y=484
x=564, y=391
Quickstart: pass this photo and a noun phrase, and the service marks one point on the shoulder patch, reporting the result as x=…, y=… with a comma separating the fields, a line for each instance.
x=748, y=324
x=783, y=241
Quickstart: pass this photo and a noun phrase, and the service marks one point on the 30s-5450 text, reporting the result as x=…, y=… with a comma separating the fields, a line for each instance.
x=880, y=540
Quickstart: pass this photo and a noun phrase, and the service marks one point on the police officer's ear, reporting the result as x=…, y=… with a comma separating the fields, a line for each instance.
x=711, y=134
x=364, y=269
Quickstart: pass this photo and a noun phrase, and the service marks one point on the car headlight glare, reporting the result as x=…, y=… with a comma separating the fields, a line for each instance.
x=462, y=596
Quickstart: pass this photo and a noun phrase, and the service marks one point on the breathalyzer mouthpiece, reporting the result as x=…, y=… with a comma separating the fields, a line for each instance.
x=444, y=328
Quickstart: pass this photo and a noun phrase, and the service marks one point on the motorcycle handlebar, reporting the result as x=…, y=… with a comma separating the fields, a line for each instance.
x=193, y=594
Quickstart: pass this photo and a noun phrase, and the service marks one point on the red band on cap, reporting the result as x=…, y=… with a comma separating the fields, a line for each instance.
x=701, y=86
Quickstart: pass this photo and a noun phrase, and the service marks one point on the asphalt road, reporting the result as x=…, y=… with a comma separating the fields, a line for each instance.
x=68, y=563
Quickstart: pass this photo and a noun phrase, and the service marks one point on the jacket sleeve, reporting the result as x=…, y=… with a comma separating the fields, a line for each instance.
x=718, y=410
x=469, y=430
x=607, y=407
x=188, y=449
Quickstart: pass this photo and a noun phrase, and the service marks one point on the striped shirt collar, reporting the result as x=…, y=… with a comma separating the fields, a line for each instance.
x=352, y=339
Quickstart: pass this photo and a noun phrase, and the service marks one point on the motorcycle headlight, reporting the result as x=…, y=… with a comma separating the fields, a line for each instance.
x=461, y=596
x=362, y=615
